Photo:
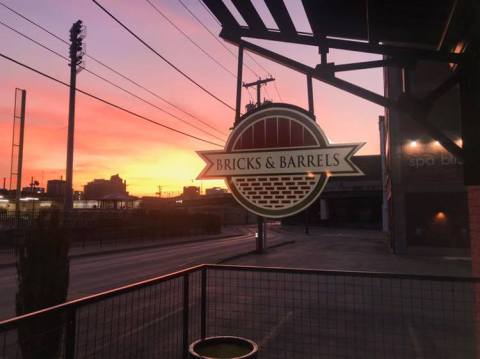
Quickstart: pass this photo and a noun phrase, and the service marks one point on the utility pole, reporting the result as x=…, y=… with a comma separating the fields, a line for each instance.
x=17, y=143
x=261, y=231
x=258, y=84
x=77, y=34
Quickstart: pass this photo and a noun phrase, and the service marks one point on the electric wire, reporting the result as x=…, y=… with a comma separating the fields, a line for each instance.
x=215, y=37
x=101, y=63
x=278, y=92
x=163, y=15
x=171, y=64
x=208, y=10
x=111, y=82
x=221, y=43
x=109, y=102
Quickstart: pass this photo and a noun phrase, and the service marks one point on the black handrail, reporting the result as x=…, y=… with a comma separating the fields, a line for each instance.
x=69, y=309
x=328, y=272
x=7, y=324
x=73, y=304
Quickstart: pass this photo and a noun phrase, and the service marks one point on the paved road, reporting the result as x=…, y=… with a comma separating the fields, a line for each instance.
x=95, y=274
x=289, y=315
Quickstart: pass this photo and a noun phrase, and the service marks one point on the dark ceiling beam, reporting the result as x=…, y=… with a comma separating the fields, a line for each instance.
x=365, y=65
x=250, y=15
x=281, y=16
x=223, y=15
x=304, y=39
x=407, y=105
x=316, y=26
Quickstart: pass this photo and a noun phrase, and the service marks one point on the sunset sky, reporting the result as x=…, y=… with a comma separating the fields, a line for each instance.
x=108, y=141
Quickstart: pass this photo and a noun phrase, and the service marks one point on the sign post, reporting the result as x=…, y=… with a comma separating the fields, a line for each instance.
x=277, y=161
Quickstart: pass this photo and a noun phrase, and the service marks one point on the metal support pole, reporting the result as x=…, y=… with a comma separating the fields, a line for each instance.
x=259, y=98
x=70, y=140
x=239, y=84
x=18, y=192
x=383, y=159
x=70, y=333
x=307, y=221
x=260, y=234
x=310, y=94
x=186, y=306
x=203, y=319
x=76, y=54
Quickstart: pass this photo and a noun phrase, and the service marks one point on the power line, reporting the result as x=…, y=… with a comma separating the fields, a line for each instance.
x=108, y=102
x=189, y=38
x=208, y=10
x=171, y=64
x=214, y=36
x=221, y=43
x=34, y=23
x=101, y=63
x=278, y=92
x=112, y=83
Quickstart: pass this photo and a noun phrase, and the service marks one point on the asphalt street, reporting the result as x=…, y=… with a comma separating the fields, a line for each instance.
x=98, y=273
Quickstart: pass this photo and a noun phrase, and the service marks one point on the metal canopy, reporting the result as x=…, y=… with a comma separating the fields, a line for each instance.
x=404, y=32
x=421, y=29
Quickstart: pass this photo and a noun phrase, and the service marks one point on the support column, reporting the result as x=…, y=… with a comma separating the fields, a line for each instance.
x=470, y=124
x=18, y=192
x=310, y=94
x=239, y=84
x=381, y=125
x=261, y=235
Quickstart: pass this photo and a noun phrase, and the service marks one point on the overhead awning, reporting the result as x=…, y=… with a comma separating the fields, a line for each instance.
x=427, y=28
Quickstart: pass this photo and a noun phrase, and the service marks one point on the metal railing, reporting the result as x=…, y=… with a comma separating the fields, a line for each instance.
x=290, y=313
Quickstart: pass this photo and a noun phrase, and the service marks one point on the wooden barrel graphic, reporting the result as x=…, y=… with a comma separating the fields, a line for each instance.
x=278, y=127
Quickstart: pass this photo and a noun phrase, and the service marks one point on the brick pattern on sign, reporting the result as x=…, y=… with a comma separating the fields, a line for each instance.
x=276, y=192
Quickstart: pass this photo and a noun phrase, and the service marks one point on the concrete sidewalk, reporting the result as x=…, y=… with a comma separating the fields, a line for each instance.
x=7, y=257
x=352, y=250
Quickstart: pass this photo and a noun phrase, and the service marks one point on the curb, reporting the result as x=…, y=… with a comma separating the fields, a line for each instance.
x=122, y=250
x=237, y=256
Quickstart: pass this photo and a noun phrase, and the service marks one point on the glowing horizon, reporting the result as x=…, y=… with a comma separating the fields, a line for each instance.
x=108, y=141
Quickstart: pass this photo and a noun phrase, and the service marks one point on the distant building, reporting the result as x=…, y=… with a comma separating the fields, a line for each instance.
x=33, y=190
x=425, y=188
x=191, y=192
x=354, y=202
x=215, y=191
x=56, y=188
x=99, y=189
x=78, y=195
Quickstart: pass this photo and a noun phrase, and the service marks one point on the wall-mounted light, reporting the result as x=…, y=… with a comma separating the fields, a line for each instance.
x=440, y=216
x=459, y=142
x=436, y=143
x=413, y=143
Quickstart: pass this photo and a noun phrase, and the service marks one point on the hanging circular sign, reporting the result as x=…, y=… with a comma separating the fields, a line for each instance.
x=277, y=161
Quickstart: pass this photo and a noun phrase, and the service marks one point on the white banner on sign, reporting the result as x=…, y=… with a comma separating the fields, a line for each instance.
x=334, y=160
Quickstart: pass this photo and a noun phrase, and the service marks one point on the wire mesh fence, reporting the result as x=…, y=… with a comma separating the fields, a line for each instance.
x=314, y=314
x=288, y=313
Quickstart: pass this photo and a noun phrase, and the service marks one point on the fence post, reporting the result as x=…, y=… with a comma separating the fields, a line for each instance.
x=203, y=319
x=186, y=304
x=70, y=332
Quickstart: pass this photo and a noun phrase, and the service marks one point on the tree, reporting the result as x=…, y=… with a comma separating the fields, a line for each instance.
x=43, y=278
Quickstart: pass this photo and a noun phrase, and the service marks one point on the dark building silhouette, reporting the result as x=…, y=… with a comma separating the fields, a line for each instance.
x=56, y=188
x=99, y=189
x=191, y=192
x=33, y=190
x=425, y=187
x=215, y=191
x=354, y=202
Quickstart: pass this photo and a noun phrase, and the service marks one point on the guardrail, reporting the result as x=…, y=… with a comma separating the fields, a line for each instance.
x=290, y=313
